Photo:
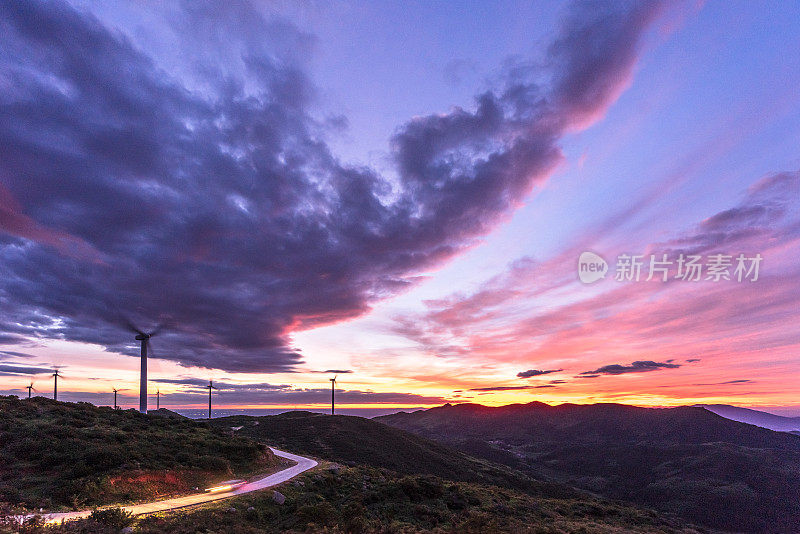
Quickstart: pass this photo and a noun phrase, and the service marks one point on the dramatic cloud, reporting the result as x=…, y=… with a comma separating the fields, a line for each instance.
x=206, y=197
x=536, y=372
x=635, y=367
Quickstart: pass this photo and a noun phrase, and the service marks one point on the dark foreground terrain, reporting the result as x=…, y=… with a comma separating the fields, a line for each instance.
x=368, y=500
x=59, y=455
x=687, y=461
x=372, y=478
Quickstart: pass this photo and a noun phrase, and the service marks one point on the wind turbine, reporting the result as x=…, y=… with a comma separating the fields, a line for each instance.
x=209, y=387
x=115, y=398
x=158, y=399
x=145, y=339
x=30, y=387
x=55, y=384
x=333, y=385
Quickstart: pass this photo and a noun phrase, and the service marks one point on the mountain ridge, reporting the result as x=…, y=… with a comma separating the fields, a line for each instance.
x=685, y=460
x=778, y=423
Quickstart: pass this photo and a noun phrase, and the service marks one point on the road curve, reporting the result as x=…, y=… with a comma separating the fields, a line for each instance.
x=303, y=464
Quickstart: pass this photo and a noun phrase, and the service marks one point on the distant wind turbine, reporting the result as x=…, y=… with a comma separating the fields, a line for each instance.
x=115, y=398
x=158, y=399
x=55, y=384
x=210, y=386
x=30, y=387
x=145, y=339
x=333, y=386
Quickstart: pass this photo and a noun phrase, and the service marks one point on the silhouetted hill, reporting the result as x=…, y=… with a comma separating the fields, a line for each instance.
x=755, y=417
x=76, y=454
x=355, y=440
x=684, y=460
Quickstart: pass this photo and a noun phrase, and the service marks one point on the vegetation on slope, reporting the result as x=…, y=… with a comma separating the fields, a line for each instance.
x=56, y=454
x=688, y=461
x=369, y=500
x=356, y=440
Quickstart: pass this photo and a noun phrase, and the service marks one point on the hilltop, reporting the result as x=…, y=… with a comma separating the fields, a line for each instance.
x=59, y=454
x=163, y=412
x=685, y=460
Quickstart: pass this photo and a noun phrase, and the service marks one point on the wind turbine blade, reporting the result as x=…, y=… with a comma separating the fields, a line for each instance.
x=129, y=325
x=157, y=329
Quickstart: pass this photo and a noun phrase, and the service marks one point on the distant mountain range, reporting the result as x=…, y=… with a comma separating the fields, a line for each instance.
x=755, y=417
x=687, y=461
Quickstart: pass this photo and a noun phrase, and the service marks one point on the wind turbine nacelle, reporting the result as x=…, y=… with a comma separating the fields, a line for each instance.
x=142, y=337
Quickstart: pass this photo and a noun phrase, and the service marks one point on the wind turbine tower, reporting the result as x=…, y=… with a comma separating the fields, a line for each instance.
x=55, y=384
x=210, y=386
x=145, y=340
x=158, y=399
x=333, y=386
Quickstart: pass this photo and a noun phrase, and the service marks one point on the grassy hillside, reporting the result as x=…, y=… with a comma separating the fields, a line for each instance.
x=56, y=454
x=687, y=460
x=369, y=500
x=356, y=440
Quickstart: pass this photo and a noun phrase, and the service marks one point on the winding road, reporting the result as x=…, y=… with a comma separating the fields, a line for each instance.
x=303, y=464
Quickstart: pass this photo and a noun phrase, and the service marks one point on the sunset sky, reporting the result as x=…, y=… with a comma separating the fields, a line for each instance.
x=398, y=193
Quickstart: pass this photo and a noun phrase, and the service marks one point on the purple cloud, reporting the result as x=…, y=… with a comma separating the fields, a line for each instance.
x=8, y=369
x=635, y=367
x=536, y=372
x=215, y=205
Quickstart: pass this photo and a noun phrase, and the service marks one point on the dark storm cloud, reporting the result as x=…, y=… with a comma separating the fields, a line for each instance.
x=208, y=199
x=635, y=367
x=537, y=372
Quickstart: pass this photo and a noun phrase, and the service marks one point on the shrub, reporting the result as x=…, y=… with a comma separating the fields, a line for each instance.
x=113, y=517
